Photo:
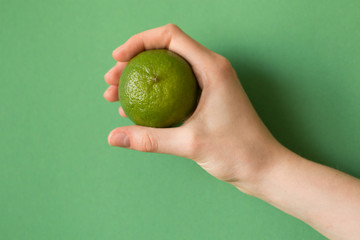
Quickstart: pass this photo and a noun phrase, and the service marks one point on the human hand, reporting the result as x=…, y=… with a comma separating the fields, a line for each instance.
x=224, y=135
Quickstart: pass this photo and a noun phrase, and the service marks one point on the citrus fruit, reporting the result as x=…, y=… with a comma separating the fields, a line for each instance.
x=158, y=89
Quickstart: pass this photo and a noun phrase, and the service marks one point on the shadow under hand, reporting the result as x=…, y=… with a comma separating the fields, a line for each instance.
x=271, y=101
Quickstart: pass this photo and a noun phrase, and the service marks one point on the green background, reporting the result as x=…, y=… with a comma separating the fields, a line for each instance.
x=299, y=62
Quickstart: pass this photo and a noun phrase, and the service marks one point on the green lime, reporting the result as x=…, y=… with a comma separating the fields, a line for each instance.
x=158, y=89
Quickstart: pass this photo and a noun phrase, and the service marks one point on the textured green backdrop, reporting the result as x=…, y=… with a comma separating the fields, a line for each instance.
x=299, y=61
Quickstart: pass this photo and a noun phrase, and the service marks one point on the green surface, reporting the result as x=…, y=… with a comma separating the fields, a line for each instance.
x=158, y=89
x=299, y=61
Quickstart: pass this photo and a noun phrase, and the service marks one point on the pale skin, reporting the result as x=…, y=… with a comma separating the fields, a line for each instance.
x=226, y=137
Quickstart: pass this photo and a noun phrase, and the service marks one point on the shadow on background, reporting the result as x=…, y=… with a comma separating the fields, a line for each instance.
x=271, y=101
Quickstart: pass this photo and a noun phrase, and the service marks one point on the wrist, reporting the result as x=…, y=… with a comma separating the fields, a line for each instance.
x=273, y=157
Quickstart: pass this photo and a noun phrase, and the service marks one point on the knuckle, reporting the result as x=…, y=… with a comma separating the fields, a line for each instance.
x=172, y=27
x=223, y=63
x=168, y=32
x=148, y=143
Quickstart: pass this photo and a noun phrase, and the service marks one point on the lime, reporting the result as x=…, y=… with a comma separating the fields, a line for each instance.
x=158, y=89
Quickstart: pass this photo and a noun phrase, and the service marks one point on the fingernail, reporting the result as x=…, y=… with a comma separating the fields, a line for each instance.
x=120, y=140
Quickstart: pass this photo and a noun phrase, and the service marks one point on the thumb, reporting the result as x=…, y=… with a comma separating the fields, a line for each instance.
x=145, y=139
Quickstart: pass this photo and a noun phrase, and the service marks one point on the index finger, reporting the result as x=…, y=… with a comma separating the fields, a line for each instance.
x=170, y=37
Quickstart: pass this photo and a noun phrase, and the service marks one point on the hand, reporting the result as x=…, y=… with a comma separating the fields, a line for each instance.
x=224, y=135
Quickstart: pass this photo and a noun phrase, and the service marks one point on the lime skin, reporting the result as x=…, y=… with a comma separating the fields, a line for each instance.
x=158, y=89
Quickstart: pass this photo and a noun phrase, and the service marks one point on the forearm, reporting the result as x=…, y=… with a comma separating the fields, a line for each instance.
x=326, y=199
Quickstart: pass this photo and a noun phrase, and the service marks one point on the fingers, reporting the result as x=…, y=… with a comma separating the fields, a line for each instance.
x=111, y=94
x=121, y=112
x=160, y=140
x=169, y=36
x=112, y=77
